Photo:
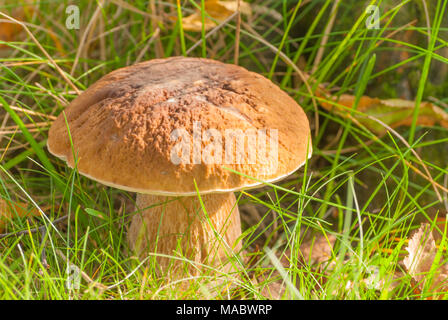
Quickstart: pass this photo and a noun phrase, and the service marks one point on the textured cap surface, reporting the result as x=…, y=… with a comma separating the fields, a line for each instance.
x=123, y=128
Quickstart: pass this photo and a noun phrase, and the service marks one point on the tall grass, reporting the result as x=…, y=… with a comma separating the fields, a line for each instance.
x=359, y=189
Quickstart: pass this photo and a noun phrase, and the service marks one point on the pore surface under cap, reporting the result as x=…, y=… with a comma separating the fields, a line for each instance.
x=122, y=128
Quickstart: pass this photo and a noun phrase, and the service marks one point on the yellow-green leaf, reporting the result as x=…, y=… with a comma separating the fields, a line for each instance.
x=218, y=10
x=393, y=112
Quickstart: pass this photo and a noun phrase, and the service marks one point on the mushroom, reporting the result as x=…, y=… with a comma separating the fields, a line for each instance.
x=184, y=134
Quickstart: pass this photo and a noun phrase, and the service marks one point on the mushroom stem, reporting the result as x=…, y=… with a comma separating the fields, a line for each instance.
x=179, y=227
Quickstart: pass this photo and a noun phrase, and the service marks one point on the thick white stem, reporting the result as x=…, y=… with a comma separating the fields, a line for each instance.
x=179, y=227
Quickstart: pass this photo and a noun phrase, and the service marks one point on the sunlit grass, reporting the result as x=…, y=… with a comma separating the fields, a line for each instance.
x=358, y=187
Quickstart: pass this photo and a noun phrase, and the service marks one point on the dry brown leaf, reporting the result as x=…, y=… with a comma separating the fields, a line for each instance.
x=422, y=252
x=10, y=210
x=393, y=112
x=10, y=31
x=219, y=10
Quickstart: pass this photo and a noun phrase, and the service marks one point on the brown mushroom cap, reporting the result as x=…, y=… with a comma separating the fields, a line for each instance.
x=121, y=127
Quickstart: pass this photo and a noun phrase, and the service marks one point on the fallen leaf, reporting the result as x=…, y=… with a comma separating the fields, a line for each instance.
x=393, y=112
x=422, y=252
x=218, y=10
x=9, y=31
x=10, y=210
